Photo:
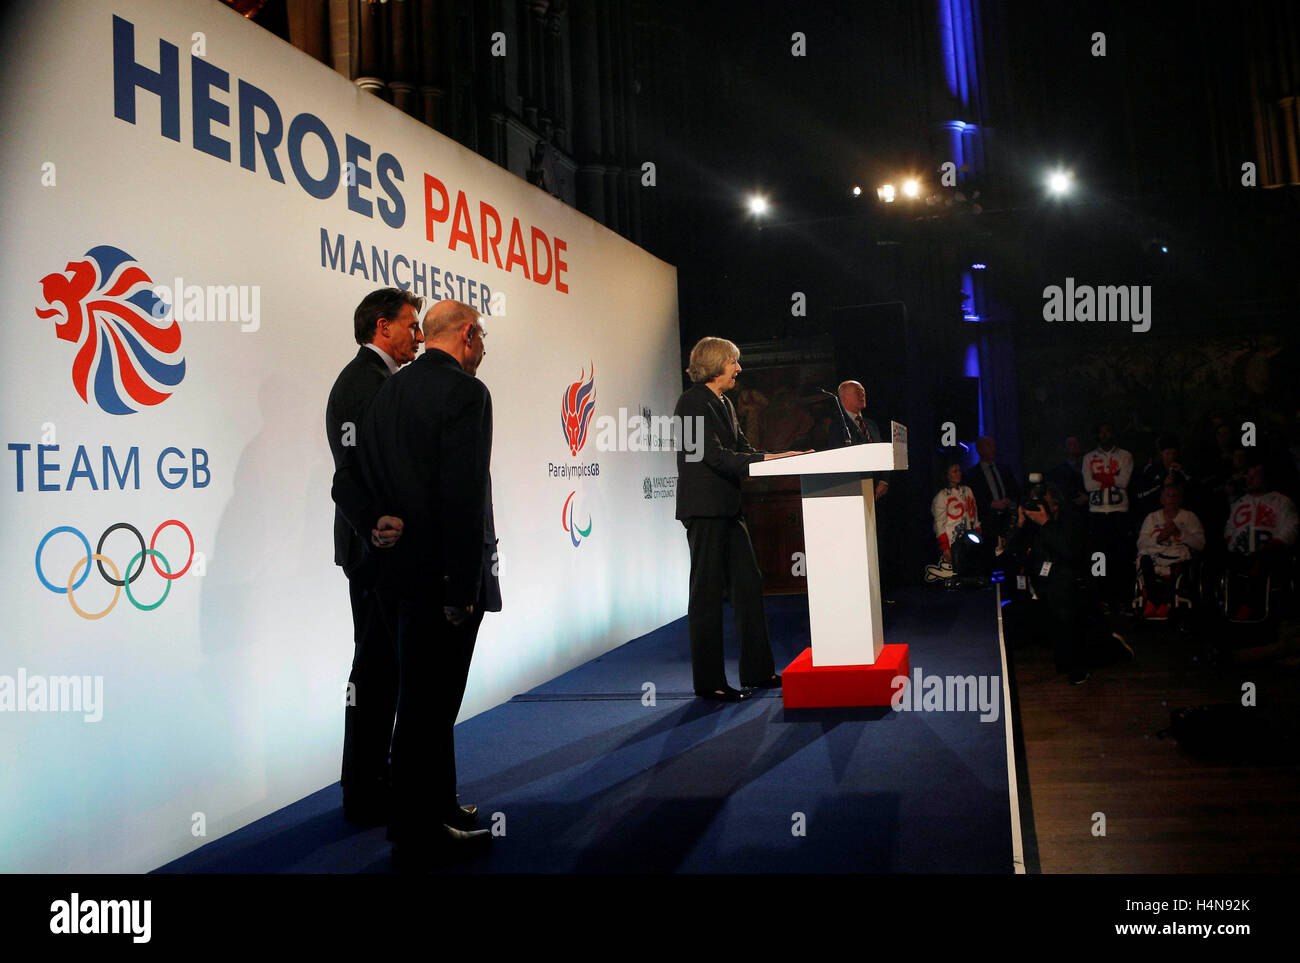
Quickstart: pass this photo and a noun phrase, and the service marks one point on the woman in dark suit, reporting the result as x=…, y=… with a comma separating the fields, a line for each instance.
x=710, y=464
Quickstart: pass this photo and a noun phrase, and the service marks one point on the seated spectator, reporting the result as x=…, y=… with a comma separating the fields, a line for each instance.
x=1260, y=534
x=955, y=514
x=1170, y=537
x=1262, y=520
x=1164, y=468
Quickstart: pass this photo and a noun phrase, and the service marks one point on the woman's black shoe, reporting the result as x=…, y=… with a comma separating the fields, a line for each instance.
x=772, y=683
x=727, y=694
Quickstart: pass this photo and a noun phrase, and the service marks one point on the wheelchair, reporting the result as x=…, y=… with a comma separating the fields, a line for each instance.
x=1251, y=589
x=1157, y=598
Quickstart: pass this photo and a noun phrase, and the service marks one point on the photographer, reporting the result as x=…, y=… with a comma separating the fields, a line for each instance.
x=1052, y=543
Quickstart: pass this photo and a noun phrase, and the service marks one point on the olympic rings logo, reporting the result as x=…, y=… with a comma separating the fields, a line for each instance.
x=82, y=567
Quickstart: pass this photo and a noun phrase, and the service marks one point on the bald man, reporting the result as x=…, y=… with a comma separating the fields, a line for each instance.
x=423, y=455
x=855, y=428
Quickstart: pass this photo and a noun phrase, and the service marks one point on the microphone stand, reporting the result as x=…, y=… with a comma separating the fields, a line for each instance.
x=844, y=421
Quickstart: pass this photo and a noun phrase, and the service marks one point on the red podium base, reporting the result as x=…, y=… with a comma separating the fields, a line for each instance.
x=808, y=686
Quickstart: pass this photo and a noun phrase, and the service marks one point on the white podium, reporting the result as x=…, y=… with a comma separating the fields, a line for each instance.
x=849, y=663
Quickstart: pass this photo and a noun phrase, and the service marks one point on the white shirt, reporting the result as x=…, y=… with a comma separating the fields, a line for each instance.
x=954, y=512
x=1187, y=539
x=1255, y=520
x=1106, y=476
x=392, y=365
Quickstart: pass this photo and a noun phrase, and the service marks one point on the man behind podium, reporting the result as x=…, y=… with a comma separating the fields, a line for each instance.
x=423, y=454
x=708, y=505
x=855, y=427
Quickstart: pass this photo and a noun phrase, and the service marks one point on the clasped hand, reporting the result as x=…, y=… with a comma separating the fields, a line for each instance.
x=386, y=531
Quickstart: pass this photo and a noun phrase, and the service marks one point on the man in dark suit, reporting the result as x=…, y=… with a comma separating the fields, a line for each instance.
x=423, y=455
x=995, y=489
x=713, y=459
x=855, y=427
x=387, y=328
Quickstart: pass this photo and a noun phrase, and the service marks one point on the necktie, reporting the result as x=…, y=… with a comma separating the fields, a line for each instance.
x=863, y=425
x=999, y=492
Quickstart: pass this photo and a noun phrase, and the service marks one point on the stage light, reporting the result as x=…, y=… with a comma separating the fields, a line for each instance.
x=757, y=205
x=886, y=193
x=857, y=191
x=911, y=188
x=978, y=266
x=1060, y=182
x=973, y=537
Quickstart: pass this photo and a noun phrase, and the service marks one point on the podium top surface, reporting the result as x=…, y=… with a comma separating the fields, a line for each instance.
x=854, y=460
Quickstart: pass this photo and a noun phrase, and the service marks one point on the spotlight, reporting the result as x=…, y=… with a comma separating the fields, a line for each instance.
x=911, y=188
x=857, y=191
x=1060, y=183
x=757, y=205
x=886, y=193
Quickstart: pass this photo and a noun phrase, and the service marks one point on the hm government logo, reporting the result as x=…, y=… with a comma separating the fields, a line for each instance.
x=567, y=519
x=105, y=304
x=577, y=405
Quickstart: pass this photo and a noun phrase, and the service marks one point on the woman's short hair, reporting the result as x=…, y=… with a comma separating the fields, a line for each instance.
x=709, y=358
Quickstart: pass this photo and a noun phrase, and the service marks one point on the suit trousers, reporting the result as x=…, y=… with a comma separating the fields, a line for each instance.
x=368, y=713
x=723, y=566
x=434, y=658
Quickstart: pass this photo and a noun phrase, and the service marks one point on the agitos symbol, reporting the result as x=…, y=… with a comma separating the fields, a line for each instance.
x=115, y=580
x=577, y=405
x=570, y=526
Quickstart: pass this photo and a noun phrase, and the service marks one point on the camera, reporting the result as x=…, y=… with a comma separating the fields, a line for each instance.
x=1034, y=500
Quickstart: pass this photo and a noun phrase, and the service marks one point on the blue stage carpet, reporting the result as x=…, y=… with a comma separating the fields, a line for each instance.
x=588, y=779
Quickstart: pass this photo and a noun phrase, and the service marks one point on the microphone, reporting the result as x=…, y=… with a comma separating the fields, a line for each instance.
x=844, y=421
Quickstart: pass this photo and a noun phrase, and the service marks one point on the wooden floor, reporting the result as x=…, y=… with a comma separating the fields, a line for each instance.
x=1093, y=748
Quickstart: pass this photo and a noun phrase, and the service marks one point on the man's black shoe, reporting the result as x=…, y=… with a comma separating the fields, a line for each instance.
x=447, y=846
x=727, y=694
x=772, y=683
x=464, y=818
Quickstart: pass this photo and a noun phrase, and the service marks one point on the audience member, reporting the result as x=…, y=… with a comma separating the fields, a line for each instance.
x=954, y=513
x=1260, y=534
x=1170, y=537
x=1107, y=470
x=996, y=490
x=1163, y=468
x=1068, y=475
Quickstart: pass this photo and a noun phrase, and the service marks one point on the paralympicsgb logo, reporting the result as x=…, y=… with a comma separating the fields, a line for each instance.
x=106, y=305
x=122, y=578
x=576, y=407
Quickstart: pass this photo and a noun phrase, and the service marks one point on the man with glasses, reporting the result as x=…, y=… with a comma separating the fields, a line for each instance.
x=423, y=455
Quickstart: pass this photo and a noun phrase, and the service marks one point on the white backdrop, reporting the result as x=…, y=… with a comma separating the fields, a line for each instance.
x=226, y=699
